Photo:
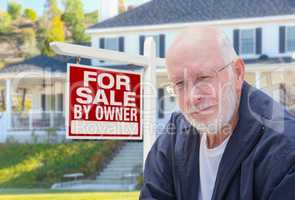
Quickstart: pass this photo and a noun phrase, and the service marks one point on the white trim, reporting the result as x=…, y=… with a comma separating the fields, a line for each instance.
x=8, y=102
x=102, y=54
x=106, y=31
x=250, y=68
x=269, y=67
x=32, y=75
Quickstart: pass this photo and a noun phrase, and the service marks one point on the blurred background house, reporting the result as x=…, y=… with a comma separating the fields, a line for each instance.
x=32, y=90
x=262, y=32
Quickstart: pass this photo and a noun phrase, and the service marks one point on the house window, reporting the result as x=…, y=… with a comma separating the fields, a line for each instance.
x=290, y=38
x=247, y=41
x=159, y=42
x=111, y=44
x=52, y=102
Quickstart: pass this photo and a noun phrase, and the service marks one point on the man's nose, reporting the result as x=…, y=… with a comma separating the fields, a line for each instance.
x=193, y=94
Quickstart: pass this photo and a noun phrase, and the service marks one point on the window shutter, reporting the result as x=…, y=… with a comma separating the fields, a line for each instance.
x=43, y=102
x=60, y=101
x=121, y=44
x=236, y=40
x=101, y=43
x=161, y=103
x=258, y=40
x=162, y=46
x=282, y=39
x=141, y=44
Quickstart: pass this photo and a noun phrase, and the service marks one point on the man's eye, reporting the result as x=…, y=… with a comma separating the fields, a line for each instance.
x=204, y=78
x=179, y=84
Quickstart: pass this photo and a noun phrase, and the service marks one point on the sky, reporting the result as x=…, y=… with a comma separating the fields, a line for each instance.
x=37, y=5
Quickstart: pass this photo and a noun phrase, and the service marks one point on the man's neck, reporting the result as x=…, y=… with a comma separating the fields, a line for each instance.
x=213, y=140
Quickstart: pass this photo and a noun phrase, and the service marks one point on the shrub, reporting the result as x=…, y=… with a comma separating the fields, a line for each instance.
x=41, y=165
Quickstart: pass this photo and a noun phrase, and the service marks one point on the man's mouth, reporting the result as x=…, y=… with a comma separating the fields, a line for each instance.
x=202, y=109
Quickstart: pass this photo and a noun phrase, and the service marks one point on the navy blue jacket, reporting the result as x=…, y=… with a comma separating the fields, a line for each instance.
x=258, y=162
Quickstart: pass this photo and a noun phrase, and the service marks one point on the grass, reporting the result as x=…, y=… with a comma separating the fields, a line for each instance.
x=16, y=194
x=41, y=165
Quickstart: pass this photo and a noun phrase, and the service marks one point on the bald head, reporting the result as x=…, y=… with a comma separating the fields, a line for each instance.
x=205, y=44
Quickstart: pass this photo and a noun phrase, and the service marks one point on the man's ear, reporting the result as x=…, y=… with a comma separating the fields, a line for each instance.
x=239, y=69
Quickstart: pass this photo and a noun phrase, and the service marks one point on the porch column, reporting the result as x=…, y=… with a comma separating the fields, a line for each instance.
x=258, y=80
x=8, y=102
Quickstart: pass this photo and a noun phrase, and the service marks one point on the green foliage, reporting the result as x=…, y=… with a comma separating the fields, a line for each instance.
x=121, y=6
x=18, y=107
x=5, y=22
x=139, y=182
x=51, y=9
x=14, y=9
x=74, y=20
x=91, y=18
x=30, y=14
x=41, y=165
x=52, y=28
x=51, y=135
x=56, y=31
x=46, y=194
x=29, y=47
x=2, y=64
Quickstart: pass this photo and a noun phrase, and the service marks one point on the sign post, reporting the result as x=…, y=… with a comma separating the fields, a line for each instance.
x=149, y=61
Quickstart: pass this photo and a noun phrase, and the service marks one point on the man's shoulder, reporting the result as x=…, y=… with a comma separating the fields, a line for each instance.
x=272, y=115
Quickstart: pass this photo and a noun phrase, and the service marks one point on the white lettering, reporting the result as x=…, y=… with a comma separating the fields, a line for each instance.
x=87, y=77
x=129, y=99
x=77, y=111
x=84, y=93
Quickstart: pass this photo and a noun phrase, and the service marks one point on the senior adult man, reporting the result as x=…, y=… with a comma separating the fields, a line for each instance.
x=230, y=141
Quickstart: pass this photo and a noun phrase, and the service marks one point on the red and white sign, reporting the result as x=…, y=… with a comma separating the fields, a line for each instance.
x=103, y=103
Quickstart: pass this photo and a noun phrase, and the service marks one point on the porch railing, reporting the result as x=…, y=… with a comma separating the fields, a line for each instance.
x=38, y=120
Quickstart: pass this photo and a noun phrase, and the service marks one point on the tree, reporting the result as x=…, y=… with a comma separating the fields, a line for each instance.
x=29, y=47
x=51, y=29
x=14, y=9
x=30, y=14
x=5, y=22
x=74, y=19
x=51, y=9
x=121, y=6
x=91, y=18
x=54, y=33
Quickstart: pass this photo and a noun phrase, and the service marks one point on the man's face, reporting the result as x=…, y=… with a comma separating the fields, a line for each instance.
x=205, y=86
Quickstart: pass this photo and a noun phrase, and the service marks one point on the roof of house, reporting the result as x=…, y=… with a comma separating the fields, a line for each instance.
x=43, y=63
x=158, y=12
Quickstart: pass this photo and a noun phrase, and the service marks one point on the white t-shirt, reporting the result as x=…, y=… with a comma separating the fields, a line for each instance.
x=209, y=160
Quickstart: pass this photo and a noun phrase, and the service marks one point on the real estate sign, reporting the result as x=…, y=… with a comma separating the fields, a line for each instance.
x=103, y=103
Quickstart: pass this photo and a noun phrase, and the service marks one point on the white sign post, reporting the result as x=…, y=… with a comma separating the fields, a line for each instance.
x=148, y=61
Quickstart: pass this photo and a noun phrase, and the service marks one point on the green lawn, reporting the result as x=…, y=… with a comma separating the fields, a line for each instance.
x=41, y=165
x=65, y=195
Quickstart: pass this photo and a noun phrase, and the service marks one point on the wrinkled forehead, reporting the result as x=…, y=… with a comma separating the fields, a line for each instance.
x=194, y=54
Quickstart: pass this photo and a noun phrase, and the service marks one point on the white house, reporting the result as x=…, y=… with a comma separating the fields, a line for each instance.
x=262, y=32
x=32, y=98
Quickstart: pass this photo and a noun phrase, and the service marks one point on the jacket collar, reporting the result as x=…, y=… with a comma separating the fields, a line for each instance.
x=254, y=109
x=243, y=139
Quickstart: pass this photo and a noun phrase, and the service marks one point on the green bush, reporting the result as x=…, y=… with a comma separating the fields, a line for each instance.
x=41, y=165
